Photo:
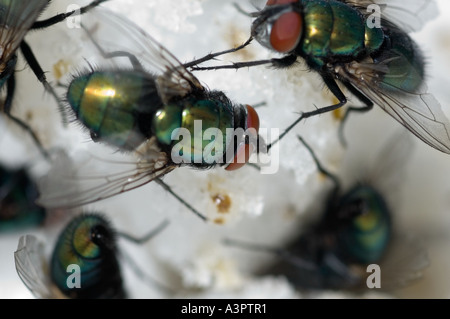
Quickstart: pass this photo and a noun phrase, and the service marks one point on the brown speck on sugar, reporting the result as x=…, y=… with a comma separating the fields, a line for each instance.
x=235, y=37
x=223, y=202
x=219, y=221
x=60, y=68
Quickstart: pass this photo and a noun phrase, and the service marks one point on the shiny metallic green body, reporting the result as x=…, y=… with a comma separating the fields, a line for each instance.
x=124, y=109
x=114, y=107
x=87, y=242
x=404, y=61
x=365, y=238
x=198, y=117
x=335, y=32
x=354, y=232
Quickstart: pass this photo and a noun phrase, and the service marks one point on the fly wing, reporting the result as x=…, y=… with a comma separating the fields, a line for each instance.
x=410, y=15
x=16, y=19
x=418, y=111
x=388, y=168
x=31, y=266
x=111, y=32
x=73, y=183
x=404, y=262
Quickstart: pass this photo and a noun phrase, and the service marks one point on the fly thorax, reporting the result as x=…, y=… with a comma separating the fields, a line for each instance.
x=368, y=232
x=195, y=129
x=332, y=29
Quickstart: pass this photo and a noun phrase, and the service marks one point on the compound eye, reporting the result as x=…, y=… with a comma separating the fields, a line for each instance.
x=241, y=158
x=252, y=118
x=286, y=32
x=287, y=29
x=244, y=151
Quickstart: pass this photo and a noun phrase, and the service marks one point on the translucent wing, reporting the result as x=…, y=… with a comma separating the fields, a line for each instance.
x=75, y=183
x=31, y=266
x=389, y=167
x=418, y=111
x=410, y=15
x=16, y=18
x=114, y=33
x=405, y=261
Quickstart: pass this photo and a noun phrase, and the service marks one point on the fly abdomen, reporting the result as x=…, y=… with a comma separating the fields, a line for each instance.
x=404, y=61
x=87, y=243
x=373, y=38
x=113, y=104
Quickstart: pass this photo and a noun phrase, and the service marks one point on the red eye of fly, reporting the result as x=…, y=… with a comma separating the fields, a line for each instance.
x=286, y=32
x=287, y=29
x=244, y=151
x=252, y=118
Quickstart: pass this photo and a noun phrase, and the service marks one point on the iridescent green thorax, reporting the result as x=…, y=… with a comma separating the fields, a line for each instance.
x=196, y=127
x=367, y=235
x=89, y=243
x=115, y=106
x=332, y=28
x=18, y=194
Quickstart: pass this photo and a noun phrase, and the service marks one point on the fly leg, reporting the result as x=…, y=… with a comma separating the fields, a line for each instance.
x=278, y=63
x=115, y=54
x=10, y=89
x=34, y=64
x=368, y=106
x=332, y=177
x=147, y=236
x=212, y=56
x=182, y=201
x=334, y=88
x=62, y=16
x=138, y=270
x=40, y=75
x=284, y=254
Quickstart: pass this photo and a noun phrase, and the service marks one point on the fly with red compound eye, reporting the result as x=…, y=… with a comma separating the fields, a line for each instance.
x=371, y=55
